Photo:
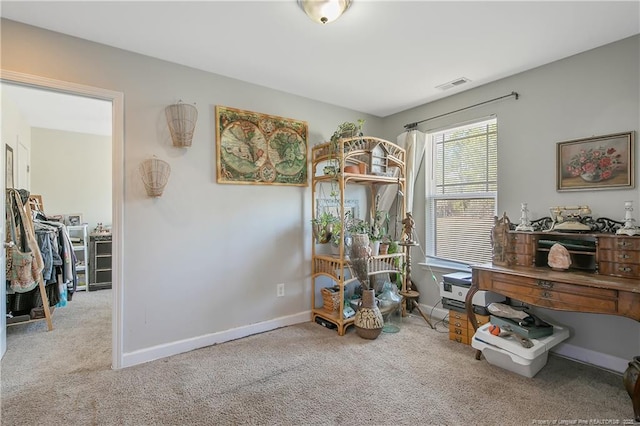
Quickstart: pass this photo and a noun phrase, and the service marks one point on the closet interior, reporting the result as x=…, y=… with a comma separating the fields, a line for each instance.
x=46, y=259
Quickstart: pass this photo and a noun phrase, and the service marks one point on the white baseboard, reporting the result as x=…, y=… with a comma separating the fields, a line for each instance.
x=434, y=313
x=576, y=353
x=587, y=356
x=174, y=348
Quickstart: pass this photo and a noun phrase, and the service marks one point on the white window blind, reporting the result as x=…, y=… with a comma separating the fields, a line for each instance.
x=461, y=195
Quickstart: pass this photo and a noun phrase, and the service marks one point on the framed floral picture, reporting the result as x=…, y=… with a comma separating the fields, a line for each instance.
x=600, y=162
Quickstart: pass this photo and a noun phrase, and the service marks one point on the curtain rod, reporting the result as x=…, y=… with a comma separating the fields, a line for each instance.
x=411, y=126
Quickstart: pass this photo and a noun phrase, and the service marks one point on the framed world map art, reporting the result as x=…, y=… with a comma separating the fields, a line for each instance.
x=255, y=148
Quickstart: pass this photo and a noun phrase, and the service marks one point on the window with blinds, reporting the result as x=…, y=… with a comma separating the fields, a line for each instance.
x=461, y=198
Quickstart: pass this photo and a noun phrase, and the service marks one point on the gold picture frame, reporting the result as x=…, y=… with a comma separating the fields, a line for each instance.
x=600, y=162
x=255, y=148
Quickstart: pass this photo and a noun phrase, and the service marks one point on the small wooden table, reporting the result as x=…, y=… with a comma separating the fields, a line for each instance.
x=561, y=290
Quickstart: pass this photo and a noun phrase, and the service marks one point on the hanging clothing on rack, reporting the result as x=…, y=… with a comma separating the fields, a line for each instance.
x=64, y=258
x=46, y=237
x=24, y=262
x=21, y=229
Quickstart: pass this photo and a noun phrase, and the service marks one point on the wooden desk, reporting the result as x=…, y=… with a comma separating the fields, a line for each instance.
x=566, y=291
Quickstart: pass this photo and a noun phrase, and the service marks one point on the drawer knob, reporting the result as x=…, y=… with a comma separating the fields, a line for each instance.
x=624, y=269
x=624, y=243
x=458, y=339
x=623, y=256
x=458, y=331
x=546, y=295
x=545, y=284
x=457, y=324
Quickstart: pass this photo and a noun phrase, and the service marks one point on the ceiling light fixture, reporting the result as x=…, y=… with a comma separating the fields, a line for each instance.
x=324, y=11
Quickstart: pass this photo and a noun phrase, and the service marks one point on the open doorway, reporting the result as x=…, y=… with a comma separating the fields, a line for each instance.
x=80, y=136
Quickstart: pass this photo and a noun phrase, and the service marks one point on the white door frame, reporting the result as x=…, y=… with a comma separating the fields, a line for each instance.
x=117, y=188
x=22, y=168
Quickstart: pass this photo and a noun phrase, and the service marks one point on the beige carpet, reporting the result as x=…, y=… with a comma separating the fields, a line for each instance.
x=298, y=375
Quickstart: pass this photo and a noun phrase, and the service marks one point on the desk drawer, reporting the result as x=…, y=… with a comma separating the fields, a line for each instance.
x=523, y=284
x=520, y=259
x=459, y=338
x=458, y=325
x=455, y=315
x=619, y=243
x=521, y=238
x=527, y=248
x=556, y=294
x=619, y=256
x=619, y=269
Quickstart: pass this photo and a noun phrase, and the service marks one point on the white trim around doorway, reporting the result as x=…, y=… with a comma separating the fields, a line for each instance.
x=117, y=102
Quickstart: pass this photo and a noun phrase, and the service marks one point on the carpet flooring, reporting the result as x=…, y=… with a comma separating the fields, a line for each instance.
x=298, y=375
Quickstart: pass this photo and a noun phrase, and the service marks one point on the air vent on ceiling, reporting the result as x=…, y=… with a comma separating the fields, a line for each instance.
x=454, y=83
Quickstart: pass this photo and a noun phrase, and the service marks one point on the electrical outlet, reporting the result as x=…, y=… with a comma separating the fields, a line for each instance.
x=280, y=290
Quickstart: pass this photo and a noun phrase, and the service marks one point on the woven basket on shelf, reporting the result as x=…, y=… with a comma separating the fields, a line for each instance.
x=331, y=298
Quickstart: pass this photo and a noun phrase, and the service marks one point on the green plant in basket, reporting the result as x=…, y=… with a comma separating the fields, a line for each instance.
x=323, y=227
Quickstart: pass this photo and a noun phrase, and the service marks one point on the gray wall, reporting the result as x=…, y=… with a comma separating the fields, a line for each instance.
x=72, y=172
x=205, y=258
x=590, y=94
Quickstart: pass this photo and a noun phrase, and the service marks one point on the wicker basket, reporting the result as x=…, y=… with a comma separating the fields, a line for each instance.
x=181, y=119
x=155, y=175
x=331, y=298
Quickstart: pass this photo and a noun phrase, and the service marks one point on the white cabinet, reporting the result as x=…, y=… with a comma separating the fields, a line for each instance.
x=79, y=240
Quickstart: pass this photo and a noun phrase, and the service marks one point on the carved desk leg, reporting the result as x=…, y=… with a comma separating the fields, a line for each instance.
x=632, y=385
x=468, y=303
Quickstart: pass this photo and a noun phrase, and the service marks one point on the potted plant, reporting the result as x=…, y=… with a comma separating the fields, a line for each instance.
x=338, y=236
x=345, y=130
x=378, y=230
x=384, y=244
x=323, y=227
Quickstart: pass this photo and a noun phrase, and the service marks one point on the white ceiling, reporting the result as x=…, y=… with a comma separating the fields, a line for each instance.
x=381, y=57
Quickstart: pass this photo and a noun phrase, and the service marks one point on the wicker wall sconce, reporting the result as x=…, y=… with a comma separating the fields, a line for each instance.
x=155, y=175
x=181, y=119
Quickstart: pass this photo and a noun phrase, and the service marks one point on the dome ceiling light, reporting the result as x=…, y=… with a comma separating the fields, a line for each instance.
x=324, y=11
